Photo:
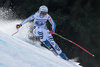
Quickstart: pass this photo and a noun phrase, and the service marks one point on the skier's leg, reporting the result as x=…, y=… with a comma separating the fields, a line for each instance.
x=56, y=47
x=47, y=39
x=39, y=32
x=42, y=33
x=47, y=44
x=63, y=56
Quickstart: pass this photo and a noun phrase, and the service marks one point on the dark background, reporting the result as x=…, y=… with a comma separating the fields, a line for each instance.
x=77, y=20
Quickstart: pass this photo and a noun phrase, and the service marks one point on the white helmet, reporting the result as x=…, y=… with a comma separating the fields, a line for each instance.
x=43, y=8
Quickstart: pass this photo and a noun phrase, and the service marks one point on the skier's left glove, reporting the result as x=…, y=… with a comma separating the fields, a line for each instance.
x=18, y=26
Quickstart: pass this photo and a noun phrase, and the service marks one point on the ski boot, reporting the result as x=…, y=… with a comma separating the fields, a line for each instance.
x=62, y=55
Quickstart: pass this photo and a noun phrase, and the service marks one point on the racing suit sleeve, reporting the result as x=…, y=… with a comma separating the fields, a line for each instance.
x=28, y=19
x=52, y=23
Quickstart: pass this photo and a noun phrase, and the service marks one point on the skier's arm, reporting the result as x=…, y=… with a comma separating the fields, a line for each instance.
x=52, y=23
x=28, y=19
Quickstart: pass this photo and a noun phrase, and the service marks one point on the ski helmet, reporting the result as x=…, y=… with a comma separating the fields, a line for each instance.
x=43, y=8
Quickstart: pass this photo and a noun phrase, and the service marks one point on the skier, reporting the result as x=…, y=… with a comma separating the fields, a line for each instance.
x=41, y=30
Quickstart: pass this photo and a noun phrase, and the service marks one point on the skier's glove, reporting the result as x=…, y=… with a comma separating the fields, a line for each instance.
x=18, y=26
x=52, y=32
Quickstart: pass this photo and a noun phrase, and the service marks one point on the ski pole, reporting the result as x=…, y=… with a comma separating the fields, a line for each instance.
x=15, y=32
x=74, y=43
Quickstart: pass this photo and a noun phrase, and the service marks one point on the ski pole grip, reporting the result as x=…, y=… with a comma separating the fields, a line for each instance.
x=18, y=26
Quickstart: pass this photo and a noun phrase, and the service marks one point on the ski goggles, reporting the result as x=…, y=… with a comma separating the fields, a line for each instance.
x=44, y=13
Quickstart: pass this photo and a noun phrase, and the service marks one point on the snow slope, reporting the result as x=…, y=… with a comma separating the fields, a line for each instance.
x=19, y=51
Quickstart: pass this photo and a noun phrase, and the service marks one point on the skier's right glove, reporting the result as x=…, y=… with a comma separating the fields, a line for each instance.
x=52, y=32
x=18, y=26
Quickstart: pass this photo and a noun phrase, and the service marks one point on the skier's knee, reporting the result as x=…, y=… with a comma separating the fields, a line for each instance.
x=47, y=44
